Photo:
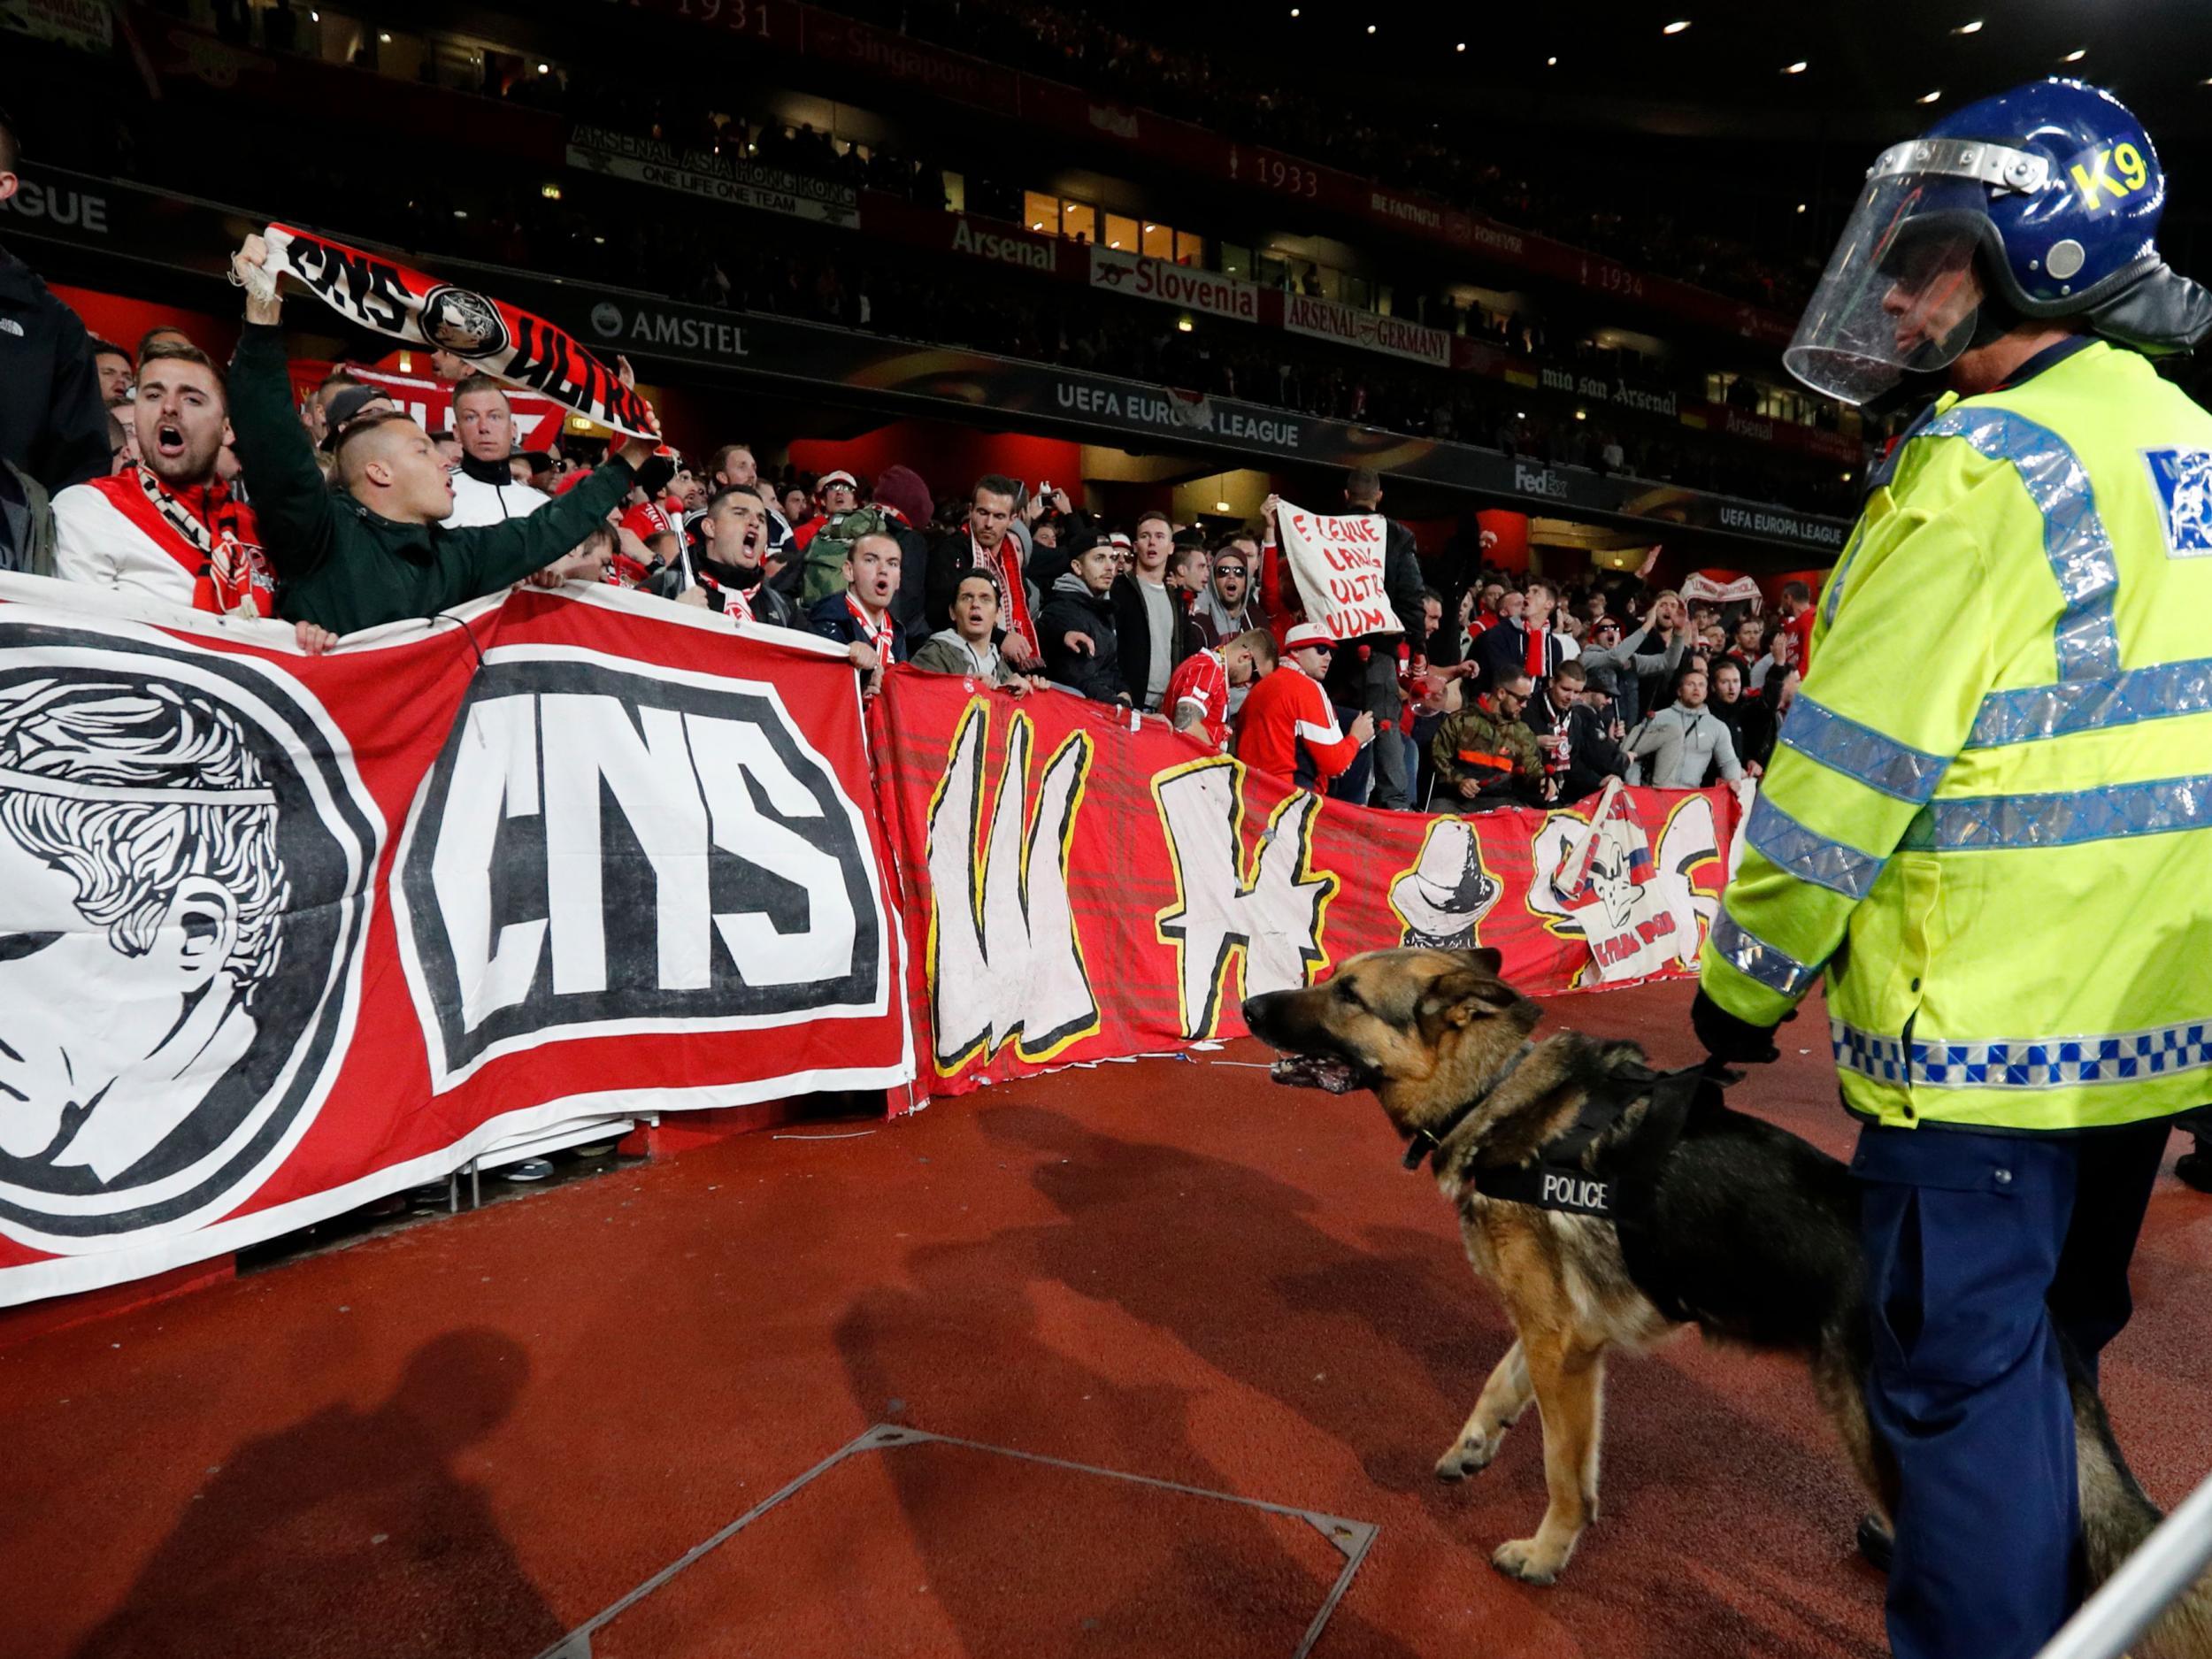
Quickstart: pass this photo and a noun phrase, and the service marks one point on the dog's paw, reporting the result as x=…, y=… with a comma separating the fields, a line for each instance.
x=1528, y=1560
x=1466, y=1457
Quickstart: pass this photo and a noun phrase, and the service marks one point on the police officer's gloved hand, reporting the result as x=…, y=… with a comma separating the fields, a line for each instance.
x=1731, y=1041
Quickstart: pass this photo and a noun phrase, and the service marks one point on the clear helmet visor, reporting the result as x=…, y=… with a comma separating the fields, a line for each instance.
x=1900, y=292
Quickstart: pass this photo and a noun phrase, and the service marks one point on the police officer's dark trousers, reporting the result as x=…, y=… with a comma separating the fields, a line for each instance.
x=1978, y=1248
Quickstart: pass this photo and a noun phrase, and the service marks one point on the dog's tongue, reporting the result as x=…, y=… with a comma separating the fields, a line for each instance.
x=1313, y=1070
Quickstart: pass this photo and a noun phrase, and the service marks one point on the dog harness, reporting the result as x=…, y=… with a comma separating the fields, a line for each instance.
x=1555, y=1177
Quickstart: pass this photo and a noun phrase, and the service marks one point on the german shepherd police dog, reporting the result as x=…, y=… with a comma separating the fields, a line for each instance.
x=1611, y=1205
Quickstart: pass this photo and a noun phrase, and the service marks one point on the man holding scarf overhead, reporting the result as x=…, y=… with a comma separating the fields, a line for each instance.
x=374, y=551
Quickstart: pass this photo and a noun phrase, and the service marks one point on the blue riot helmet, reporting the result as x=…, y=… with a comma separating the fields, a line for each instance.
x=2042, y=203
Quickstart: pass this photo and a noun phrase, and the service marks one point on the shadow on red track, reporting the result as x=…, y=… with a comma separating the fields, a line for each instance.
x=295, y=1545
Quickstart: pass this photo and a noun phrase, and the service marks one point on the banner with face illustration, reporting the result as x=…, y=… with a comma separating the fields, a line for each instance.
x=280, y=935
x=1074, y=890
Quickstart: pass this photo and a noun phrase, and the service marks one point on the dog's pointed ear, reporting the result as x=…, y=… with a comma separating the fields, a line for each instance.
x=1482, y=960
x=1461, y=995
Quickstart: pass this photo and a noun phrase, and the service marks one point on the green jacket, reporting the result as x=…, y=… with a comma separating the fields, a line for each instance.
x=1499, y=754
x=1989, y=821
x=343, y=567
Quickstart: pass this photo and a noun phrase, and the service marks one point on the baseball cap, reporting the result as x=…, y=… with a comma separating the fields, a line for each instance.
x=1309, y=633
x=822, y=486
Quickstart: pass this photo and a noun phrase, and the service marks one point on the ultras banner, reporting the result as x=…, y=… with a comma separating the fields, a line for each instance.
x=281, y=934
x=1074, y=890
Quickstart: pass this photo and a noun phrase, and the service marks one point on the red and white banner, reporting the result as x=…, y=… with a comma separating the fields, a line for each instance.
x=503, y=340
x=1347, y=324
x=1075, y=891
x=280, y=935
x=1172, y=284
x=1337, y=564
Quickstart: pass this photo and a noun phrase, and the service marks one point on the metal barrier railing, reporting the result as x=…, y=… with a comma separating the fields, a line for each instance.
x=2155, y=1576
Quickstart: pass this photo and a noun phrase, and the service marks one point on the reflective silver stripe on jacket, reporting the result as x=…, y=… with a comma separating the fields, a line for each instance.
x=1859, y=752
x=2074, y=538
x=1755, y=959
x=1810, y=856
x=2126, y=698
x=1997, y=822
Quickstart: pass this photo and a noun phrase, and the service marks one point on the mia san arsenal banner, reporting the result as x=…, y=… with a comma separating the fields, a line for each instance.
x=281, y=934
x=1074, y=890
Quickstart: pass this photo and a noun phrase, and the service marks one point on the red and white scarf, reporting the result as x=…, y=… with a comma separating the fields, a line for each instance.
x=1537, y=662
x=221, y=552
x=1004, y=568
x=882, y=635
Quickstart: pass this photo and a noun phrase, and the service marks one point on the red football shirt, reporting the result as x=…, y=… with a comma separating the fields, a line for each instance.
x=1201, y=681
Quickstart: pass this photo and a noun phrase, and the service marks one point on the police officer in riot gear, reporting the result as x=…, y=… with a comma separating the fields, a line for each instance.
x=1988, y=826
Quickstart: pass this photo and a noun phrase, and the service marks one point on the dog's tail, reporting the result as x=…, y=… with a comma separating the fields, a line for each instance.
x=2116, y=1516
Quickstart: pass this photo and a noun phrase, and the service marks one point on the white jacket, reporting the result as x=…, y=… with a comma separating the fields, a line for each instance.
x=98, y=541
x=476, y=502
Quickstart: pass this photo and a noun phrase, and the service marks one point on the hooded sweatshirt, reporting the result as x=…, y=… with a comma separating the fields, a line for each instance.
x=945, y=652
x=1072, y=608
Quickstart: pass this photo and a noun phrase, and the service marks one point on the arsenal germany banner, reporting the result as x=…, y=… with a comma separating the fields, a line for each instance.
x=281, y=934
x=1074, y=890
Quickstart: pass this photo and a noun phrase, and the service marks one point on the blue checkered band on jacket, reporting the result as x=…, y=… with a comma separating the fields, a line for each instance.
x=1810, y=856
x=2089, y=705
x=1753, y=958
x=2026, y=1064
x=1859, y=752
x=1994, y=822
x=2074, y=537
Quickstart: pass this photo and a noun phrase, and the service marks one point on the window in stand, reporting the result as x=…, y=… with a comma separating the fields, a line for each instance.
x=1159, y=241
x=1078, y=219
x=1359, y=292
x=1041, y=212
x=1236, y=260
x=955, y=192
x=1121, y=233
x=1190, y=250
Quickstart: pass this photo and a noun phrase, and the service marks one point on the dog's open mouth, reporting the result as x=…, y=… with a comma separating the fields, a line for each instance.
x=1318, y=1071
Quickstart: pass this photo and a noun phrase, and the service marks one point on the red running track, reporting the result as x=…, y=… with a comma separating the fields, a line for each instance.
x=470, y=1437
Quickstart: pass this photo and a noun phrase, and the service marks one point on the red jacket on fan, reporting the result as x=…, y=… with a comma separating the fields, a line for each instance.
x=1289, y=729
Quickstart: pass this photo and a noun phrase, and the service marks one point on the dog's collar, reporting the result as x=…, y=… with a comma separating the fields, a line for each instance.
x=1425, y=1142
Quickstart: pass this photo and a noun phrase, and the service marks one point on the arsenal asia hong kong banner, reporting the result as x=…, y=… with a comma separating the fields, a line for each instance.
x=281, y=934
x=1074, y=890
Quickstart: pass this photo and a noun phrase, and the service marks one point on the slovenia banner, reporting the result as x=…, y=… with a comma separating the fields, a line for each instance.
x=1074, y=890
x=280, y=935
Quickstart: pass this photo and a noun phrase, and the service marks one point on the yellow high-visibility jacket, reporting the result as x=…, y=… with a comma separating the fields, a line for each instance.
x=1990, y=817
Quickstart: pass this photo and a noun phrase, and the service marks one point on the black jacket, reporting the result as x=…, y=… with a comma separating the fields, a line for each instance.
x=1591, y=756
x=833, y=618
x=1503, y=652
x=1135, y=628
x=52, y=422
x=1071, y=608
x=1367, y=677
x=1752, y=724
x=770, y=607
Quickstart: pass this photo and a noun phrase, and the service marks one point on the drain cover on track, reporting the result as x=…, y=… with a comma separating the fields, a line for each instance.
x=906, y=1542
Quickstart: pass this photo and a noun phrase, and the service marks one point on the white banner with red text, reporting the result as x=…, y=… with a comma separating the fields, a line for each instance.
x=1337, y=564
x=280, y=935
